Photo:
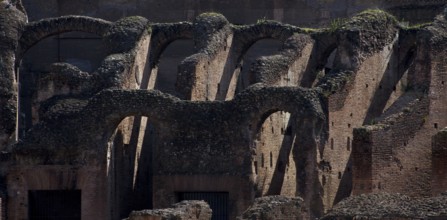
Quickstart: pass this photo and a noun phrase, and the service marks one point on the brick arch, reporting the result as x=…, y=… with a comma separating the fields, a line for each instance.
x=272, y=157
x=249, y=35
x=116, y=105
x=309, y=122
x=164, y=34
x=36, y=31
x=258, y=101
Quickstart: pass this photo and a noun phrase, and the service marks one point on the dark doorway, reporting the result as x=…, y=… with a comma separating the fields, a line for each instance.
x=218, y=202
x=54, y=204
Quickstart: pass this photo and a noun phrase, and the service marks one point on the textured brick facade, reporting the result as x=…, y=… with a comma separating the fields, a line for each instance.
x=349, y=109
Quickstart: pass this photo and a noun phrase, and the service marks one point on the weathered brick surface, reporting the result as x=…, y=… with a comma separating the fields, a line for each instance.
x=268, y=137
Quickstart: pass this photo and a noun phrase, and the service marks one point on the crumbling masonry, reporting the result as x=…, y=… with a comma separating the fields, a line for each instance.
x=336, y=112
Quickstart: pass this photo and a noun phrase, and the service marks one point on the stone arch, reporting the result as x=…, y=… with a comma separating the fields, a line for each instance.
x=275, y=168
x=259, y=102
x=168, y=63
x=164, y=34
x=321, y=61
x=133, y=155
x=244, y=51
x=39, y=30
x=129, y=159
x=249, y=35
x=47, y=68
x=261, y=47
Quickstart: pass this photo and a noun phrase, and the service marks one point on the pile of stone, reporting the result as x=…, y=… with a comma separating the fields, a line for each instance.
x=185, y=210
x=274, y=207
x=389, y=206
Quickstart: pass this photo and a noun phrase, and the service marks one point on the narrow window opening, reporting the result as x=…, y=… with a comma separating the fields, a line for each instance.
x=332, y=143
x=367, y=85
x=262, y=160
x=339, y=175
x=349, y=125
x=436, y=125
x=271, y=159
x=348, y=144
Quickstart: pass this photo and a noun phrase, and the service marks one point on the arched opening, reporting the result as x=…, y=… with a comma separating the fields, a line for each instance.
x=325, y=65
x=321, y=61
x=130, y=167
x=35, y=65
x=276, y=174
x=164, y=76
x=263, y=47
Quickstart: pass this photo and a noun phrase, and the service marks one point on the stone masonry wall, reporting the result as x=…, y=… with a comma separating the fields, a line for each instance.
x=271, y=137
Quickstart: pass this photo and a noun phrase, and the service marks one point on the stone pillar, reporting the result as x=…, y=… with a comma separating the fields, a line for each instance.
x=12, y=21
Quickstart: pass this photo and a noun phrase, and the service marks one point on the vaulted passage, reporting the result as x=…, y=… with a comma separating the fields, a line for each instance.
x=54, y=204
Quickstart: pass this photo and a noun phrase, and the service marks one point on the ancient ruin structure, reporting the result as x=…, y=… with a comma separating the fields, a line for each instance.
x=356, y=107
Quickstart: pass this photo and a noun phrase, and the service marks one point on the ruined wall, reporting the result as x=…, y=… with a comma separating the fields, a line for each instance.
x=349, y=107
x=22, y=179
x=406, y=129
x=269, y=137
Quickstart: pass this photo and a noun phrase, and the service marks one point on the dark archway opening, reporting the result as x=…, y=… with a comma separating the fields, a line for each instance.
x=67, y=47
x=167, y=67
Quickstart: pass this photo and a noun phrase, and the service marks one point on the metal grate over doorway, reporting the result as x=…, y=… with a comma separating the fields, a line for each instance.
x=218, y=202
x=54, y=204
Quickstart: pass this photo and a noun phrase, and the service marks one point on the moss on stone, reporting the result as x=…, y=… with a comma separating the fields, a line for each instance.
x=369, y=19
